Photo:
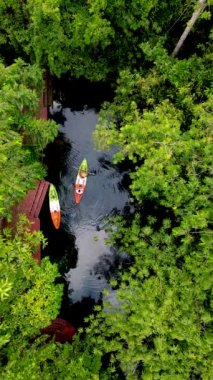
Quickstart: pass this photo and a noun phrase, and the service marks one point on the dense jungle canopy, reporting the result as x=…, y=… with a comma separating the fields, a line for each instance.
x=161, y=118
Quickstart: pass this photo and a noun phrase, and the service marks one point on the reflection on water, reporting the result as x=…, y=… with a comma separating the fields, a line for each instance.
x=102, y=195
x=82, y=234
x=83, y=280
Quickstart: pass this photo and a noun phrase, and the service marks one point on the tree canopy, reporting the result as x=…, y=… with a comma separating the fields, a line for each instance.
x=94, y=39
x=163, y=329
x=23, y=136
x=161, y=120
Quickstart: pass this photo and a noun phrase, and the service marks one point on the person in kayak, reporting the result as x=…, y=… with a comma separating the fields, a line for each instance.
x=83, y=174
x=81, y=181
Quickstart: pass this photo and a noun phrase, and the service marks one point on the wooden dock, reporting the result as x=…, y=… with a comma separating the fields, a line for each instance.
x=31, y=207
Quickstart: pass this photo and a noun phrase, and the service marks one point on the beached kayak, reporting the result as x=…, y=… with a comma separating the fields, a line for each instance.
x=81, y=180
x=54, y=206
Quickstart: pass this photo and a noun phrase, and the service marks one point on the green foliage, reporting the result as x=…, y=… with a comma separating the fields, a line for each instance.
x=48, y=45
x=39, y=133
x=93, y=38
x=53, y=361
x=182, y=82
x=22, y=136
x=18, y=171
x=164, y=319
x=23, y=309
x=20, y=90
x=29, y=298
x=161, y=121
x=163, y=327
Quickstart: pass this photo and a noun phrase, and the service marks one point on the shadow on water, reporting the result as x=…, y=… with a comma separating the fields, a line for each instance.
x=79, y=247
x=79, y=94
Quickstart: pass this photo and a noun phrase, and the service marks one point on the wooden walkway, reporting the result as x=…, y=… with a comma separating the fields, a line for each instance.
x=31, y=207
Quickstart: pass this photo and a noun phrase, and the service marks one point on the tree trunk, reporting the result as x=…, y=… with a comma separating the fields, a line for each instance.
x=200, y=7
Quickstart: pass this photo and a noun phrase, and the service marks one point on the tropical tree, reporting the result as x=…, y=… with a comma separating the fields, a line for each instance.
x=161, y=121
x=94, y=39
x=29, y=298
x=23, y=137
x=161, y=327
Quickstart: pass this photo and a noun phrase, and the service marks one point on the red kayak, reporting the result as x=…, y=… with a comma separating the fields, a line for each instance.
x=81, y=181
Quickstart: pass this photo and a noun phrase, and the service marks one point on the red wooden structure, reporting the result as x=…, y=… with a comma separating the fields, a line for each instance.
x=61, y=330
x=46, y=98
x=31, y=207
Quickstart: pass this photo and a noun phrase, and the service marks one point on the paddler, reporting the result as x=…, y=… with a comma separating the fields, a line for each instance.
x=81, y=182
x=83, y=174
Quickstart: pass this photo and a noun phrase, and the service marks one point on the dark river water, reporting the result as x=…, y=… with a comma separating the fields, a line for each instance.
x=85, y=262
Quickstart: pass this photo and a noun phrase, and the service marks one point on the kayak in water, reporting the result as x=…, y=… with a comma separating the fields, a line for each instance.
x=54, y=205
x=81, y=180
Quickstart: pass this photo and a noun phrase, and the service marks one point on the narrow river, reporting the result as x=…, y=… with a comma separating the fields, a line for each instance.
x=86, y=263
